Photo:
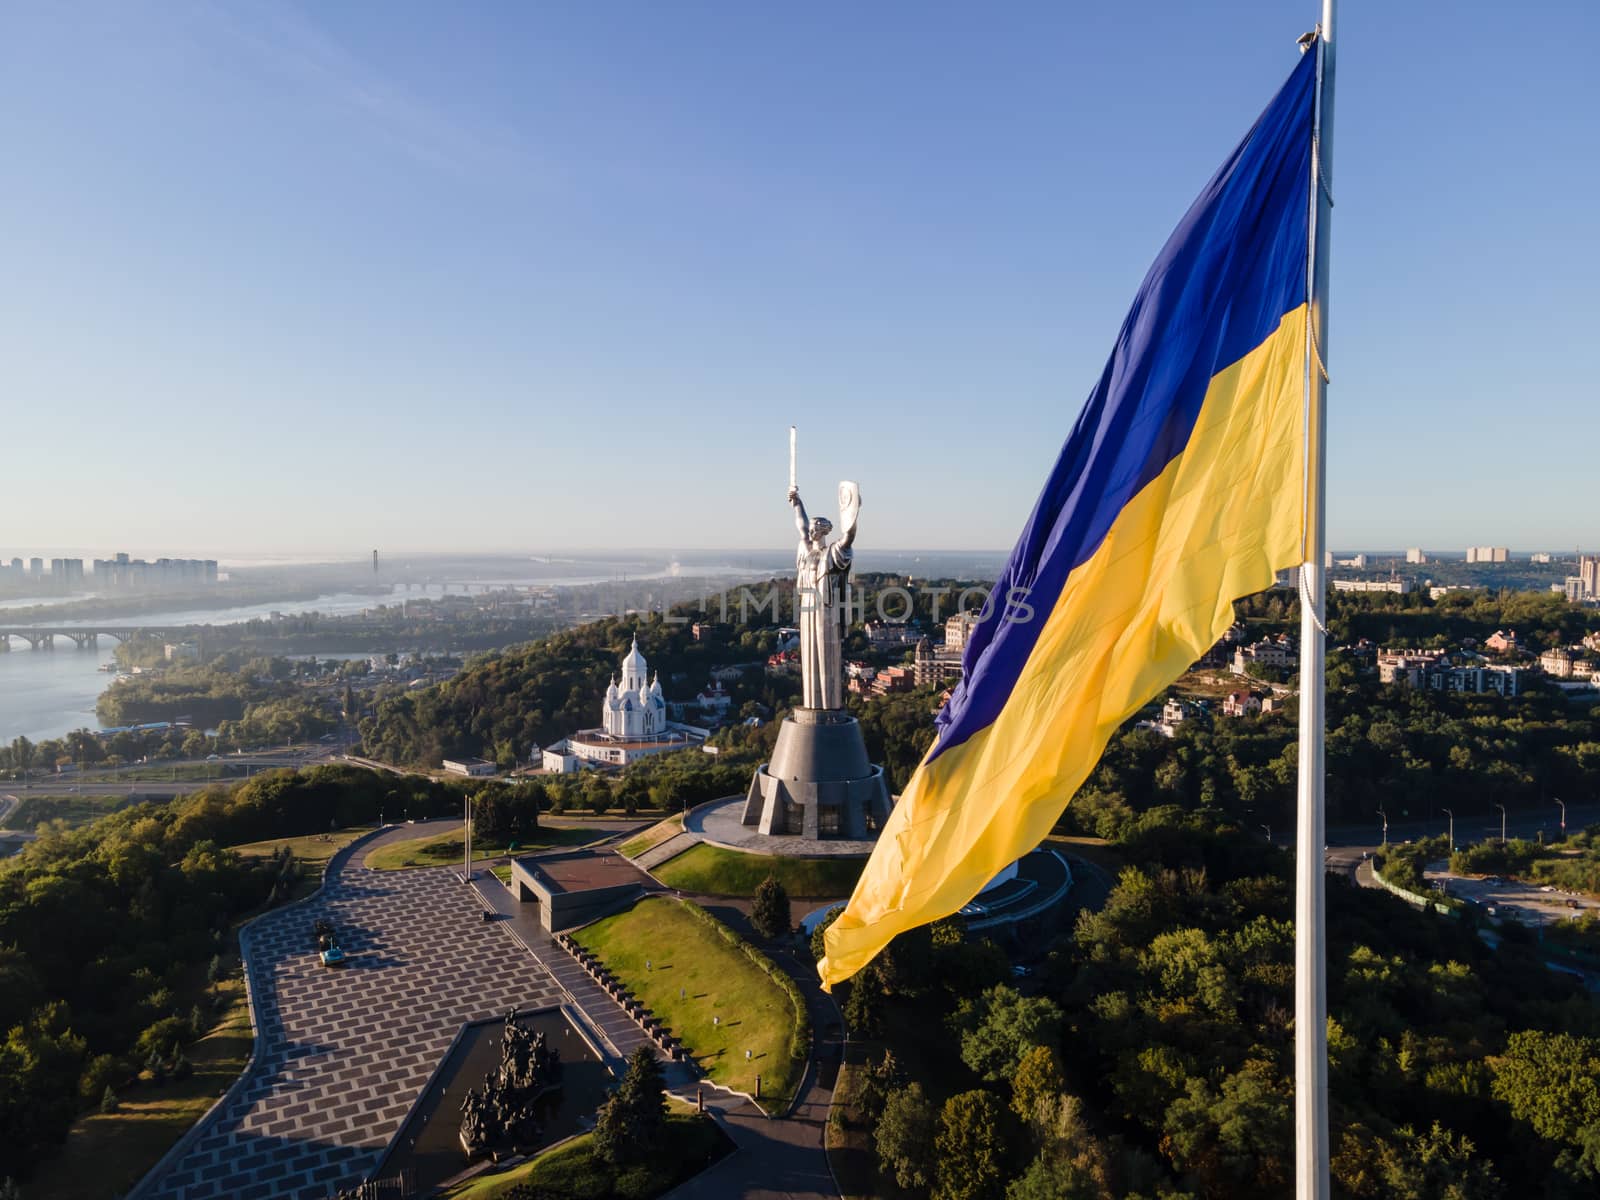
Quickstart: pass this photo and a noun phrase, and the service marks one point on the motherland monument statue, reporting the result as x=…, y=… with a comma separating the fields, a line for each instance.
x=819, y=783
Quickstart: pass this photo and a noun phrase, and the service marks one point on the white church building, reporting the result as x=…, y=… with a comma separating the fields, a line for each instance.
x=633, y=724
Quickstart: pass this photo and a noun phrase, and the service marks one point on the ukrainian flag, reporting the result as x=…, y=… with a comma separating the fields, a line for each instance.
x=1180, y=488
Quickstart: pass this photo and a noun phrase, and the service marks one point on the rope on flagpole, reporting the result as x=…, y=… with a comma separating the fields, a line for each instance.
x=1309, y=608
x=1316, y=350
x=1316, y=161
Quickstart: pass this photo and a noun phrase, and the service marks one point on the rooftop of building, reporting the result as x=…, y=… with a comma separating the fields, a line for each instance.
x=582, y=871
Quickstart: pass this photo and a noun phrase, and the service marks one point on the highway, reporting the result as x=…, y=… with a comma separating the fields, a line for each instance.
x=1348, y=845
x=115, y=781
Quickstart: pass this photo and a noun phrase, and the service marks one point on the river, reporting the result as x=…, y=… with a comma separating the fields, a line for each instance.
x=46, y=693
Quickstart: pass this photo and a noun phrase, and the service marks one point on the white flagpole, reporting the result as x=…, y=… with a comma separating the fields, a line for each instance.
x=1310, y=938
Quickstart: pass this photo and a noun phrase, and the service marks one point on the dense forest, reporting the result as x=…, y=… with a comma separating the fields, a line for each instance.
x=1150, y=1053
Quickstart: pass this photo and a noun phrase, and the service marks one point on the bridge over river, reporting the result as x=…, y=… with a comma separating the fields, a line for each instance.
x=84, y=637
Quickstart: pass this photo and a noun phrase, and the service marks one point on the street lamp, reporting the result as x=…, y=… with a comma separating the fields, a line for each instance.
x=1452, y=817
x=1385, y=817
x=1502, y=809
x=1563, y=804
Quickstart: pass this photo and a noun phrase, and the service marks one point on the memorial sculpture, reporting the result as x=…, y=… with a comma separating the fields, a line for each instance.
x=819, y=783
x=503, y=1110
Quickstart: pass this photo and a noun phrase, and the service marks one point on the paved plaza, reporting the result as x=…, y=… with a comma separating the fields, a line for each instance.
x=341, y=1054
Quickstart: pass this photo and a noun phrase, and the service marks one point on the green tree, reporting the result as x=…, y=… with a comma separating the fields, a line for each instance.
x=159, y=1037
x=22, y=751
x=971, y=1148
x=1436, y=1165
x=905, y=1135
x=1552, y=1081
x=1071, y=1164
x=878, y=1081
x=629, y=1125
x=633, y=794
x=1037, y=1079
x=819, y=945
x=596, y=795
x=108, y=1100
x=102, y=1072
x=863, y=1008
x=40, y=1062
x=769, y=912
x=1235, y=1139
x=1002, y=1026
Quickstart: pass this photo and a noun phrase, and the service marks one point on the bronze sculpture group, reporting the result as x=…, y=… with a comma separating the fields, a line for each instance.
x=501, y=1111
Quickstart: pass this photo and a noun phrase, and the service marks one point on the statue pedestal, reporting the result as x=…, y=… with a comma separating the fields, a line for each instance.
x=819, y=783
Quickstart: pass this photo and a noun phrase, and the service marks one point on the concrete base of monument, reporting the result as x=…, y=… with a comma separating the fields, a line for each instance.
x=720, y=823
x=819, y=785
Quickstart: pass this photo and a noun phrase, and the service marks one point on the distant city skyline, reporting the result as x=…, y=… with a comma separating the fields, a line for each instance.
x=300, y=280
x=396, y=560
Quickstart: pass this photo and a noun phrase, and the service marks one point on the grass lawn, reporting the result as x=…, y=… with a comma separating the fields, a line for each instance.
x=311, y=853
x=573, y=1171
x=718, y=872
x=33, y=811
x=503, y=874
x=155, y=773
x=654, y=836
x=443, y=848
x=314, y=849
x=728, y=1004
x=106, y=1153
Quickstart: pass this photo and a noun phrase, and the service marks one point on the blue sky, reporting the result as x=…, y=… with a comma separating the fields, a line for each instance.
x=321, y=277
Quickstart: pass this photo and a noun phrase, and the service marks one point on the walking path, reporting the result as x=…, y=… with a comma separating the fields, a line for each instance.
x=671, y=848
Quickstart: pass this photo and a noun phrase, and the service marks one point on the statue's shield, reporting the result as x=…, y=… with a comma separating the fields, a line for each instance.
x=849, y=505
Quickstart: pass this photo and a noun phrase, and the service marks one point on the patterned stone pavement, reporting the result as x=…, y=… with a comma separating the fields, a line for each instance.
x=341, y=1054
